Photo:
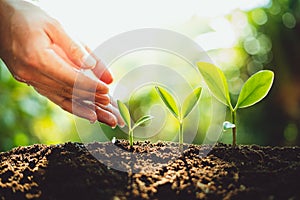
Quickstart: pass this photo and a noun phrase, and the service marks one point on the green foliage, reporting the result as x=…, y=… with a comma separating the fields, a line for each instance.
x=127, y=119
x=189, y=103
x=216, y=82
x=253, y=91
x=124, y=113
x=142, y=120
x=169, y=101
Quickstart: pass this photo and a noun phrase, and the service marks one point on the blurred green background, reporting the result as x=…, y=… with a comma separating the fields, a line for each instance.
x=266, y=37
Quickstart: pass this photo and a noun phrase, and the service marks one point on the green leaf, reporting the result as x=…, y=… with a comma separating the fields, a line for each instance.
x=142, y=120
x=124, y=113
x=216, y=82
x=169, y=100
x=190, y=102
x=255, y=89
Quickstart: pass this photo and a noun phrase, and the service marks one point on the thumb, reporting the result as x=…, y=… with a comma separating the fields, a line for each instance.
x=74, y=50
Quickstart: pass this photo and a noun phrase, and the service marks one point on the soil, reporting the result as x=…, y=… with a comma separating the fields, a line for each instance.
x=149, y=171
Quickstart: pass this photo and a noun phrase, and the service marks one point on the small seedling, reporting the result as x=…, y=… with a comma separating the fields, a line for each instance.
x=127, y=119
x=179, y=112
x=253, y=91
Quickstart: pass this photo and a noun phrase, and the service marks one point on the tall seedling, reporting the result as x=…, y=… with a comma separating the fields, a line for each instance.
x=253, y=91
x=178, y=111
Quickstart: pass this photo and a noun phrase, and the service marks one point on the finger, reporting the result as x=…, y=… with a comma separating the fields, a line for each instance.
x=58, y=50
x=106, y=114
x=71, y=93
x=113, y=101
x=56, y=68
x=106, y=117
x=115, y=111
x=82, y=109
x=70, y=106
x=52, y=86
x=100, y=69
x=74, y=50
x=102, y=73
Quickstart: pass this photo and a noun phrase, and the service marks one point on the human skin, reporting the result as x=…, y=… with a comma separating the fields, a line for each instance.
x=38, y=52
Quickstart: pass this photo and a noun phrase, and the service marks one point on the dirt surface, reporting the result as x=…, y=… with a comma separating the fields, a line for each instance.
x=149, y=171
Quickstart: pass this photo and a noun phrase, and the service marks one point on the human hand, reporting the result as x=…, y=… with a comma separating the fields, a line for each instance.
x=37, y=51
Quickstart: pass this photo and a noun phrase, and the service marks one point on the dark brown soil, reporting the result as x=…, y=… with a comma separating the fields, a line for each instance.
x=149, y=171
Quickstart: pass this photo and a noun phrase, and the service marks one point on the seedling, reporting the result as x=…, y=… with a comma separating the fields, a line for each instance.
x=127, y=119
x=178, y=111
x=253, y=91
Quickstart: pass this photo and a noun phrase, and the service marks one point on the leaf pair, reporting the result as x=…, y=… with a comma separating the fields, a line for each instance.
x=179, y=112
x=189, y=103
x=253, y=91
x=127, y=118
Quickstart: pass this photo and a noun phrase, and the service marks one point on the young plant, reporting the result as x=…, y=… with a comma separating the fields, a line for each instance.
x=127, y=119
x=178, y=111
x=253, y=91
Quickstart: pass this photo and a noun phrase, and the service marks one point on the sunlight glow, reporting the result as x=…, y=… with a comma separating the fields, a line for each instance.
x=93, y=22
x=223, y=35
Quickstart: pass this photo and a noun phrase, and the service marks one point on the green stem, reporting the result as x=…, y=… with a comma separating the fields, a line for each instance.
x=131, y=137
x=180, y=135
x=233, y=117
x=180, y=132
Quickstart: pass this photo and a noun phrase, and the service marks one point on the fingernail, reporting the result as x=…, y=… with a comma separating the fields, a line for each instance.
x=121, y=125
x=89, y=61
x=112, y=121
x=93, y=118
x=106, y=102
x=93, y=121
x=108, y=77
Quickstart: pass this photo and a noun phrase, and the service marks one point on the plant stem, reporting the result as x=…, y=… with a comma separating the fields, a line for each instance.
x=180, y=132
x=181, y=135
x=233, y=117
x=131, y=137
